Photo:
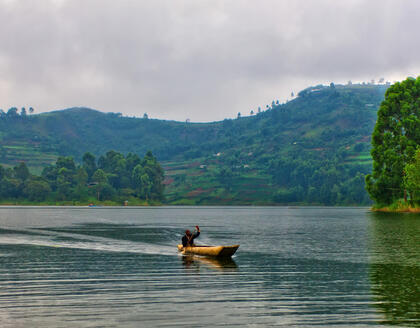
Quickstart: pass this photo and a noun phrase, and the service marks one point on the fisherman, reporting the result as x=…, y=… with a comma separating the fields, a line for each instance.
x=188, y=238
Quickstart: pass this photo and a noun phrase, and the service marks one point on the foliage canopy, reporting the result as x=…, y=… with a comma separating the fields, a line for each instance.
x=394, y=140
x=112, y=178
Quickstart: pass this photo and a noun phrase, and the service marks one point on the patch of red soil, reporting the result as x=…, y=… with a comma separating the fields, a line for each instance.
x=168, y=181
x=364, y=139
x=198, y=191
x=194, y=164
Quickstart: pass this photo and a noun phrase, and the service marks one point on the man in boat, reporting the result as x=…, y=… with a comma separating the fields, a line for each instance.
x=188, y=239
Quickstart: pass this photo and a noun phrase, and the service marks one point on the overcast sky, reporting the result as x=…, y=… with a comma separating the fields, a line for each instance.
x=197, y=59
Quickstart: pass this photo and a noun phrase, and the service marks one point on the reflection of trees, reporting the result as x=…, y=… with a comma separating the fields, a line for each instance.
x=395, y=267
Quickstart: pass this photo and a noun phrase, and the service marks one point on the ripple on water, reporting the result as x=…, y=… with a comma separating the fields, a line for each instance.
x=306, y=268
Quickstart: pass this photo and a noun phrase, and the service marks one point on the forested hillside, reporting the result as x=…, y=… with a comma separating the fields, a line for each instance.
x=313, y=149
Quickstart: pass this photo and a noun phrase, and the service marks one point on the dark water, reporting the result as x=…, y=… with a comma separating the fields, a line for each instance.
x=119, y=267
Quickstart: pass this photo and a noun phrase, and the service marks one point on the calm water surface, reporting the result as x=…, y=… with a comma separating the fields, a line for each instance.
x=119, y=267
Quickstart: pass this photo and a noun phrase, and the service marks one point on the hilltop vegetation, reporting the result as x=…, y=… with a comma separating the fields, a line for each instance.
x=314, y=149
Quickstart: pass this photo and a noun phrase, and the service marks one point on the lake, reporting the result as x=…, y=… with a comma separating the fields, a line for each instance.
x=296, y=266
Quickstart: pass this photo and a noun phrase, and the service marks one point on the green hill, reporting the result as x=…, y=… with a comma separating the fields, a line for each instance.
x=311, y=150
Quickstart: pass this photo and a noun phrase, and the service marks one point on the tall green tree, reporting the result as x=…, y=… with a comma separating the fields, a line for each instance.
x=394, y=140
x=66, y=162
x=21, y=171
x=412, y=177
x=2, y=172
x=101, y=180
x=140, y=181
x=36, y=189
x=12, y=112
x=10, y=188
x=81, y=178
x=89, y=164
x=155, y=174
x=110, y=161
x=64, y=183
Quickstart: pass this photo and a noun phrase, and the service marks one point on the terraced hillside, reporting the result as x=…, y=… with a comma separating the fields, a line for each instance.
x=207, y=182
x=12, y=153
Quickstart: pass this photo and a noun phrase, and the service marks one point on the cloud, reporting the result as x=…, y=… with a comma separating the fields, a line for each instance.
x=203, y=60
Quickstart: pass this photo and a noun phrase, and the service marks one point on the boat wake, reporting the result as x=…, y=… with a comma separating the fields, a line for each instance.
x=48, y=238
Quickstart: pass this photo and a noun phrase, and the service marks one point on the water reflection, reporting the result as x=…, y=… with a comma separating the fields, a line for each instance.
x=222, y=264
x=120, y=268
x=395, y=267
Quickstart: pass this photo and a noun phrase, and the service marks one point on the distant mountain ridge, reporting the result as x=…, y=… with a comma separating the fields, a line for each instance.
x=314, y=145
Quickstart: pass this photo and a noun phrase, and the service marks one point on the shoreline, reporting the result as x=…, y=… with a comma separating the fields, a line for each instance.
x=398, y=210
x=397, y=207
x=184, y=205
x=82, y=204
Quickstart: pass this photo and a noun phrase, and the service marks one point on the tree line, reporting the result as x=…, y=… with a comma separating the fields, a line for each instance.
x=396, y=146
x=13, y=112
x=113, y=177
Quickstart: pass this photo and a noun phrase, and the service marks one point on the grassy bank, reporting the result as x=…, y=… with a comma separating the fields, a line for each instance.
x=399, y=206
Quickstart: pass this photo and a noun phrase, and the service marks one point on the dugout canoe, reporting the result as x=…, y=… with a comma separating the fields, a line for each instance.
x=213, y=251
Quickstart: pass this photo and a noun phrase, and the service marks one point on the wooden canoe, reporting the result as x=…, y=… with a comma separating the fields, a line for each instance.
x=214, y=251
